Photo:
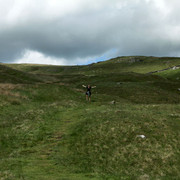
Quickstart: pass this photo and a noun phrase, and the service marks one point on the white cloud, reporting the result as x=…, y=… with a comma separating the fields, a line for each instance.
x=35, y=57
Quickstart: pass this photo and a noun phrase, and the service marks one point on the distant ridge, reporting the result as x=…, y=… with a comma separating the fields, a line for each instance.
x=137, y=64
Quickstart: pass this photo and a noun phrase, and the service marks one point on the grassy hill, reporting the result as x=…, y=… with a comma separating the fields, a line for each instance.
x=138, y=64
x=49, y=131
x=10, y=75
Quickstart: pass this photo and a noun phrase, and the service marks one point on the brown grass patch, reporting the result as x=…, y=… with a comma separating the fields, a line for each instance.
x=7, y=90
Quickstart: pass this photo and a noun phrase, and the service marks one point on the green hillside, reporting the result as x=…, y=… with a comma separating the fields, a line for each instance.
x=49, y=131
x=138, y=64
x=172, y=74
x=11, y=75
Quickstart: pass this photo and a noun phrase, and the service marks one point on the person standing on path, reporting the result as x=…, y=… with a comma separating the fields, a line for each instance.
x=88, y=92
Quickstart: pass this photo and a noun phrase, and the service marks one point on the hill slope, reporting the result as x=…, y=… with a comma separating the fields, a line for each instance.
x=138, y=64
x=11, y=75
x=49, y=131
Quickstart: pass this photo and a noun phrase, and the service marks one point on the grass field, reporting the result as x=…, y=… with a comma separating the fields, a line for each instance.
x=49, y=132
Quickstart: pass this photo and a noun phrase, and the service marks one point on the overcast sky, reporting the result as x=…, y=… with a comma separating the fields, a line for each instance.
x=84, y=31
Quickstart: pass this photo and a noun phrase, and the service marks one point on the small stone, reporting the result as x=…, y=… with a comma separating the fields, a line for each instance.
x=113, y=102
x=141, y=136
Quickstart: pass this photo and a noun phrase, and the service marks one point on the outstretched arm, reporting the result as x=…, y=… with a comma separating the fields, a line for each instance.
x=84, y=86
x=93, y=87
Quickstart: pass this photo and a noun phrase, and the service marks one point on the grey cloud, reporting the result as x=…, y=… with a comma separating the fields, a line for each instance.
x=136, y=29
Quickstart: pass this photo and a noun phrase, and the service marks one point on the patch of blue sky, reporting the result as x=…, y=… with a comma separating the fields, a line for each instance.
x=106, y=56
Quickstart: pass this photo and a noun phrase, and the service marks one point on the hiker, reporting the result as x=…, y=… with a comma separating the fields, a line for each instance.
x=88, y=92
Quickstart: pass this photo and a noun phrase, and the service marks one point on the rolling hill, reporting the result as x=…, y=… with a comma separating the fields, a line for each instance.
x=138, y=64
x=11, y=75
x=49, y=131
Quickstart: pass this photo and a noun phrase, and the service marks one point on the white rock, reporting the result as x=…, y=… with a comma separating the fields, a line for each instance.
x=113, y=102
x=141, y=136
x=174, y=68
